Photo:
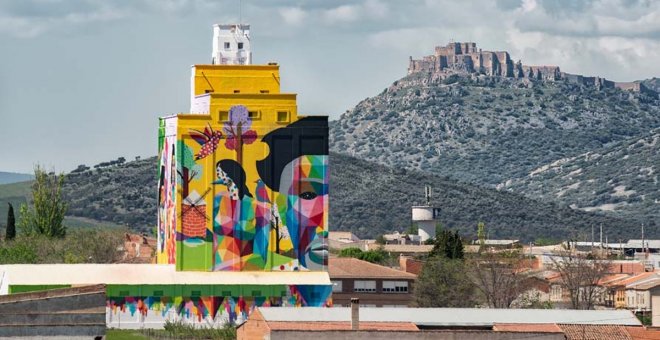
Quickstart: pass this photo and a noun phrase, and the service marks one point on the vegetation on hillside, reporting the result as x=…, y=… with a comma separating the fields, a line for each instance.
x=366, y=198
x=621, y=179
x=491, y=130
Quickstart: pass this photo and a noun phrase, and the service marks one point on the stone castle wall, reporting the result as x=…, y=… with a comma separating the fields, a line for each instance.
x=460, y=57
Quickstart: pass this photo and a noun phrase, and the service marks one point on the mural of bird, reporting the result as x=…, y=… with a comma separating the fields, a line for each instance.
x=262, y=193
x=208, y=139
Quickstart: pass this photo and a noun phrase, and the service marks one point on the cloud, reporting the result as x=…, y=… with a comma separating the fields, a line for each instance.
x=376, y=9
x=344, y=13
x=293, y=16
x=29, y=19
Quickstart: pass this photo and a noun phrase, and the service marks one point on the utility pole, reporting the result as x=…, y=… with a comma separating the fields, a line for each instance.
x=643, y=251
x=601, y=236
x=592, y=238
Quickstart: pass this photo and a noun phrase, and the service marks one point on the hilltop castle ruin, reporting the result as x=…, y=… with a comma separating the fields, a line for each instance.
x=459, y=57
x=462, y=58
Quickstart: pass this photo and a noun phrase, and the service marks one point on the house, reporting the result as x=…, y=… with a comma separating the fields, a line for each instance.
x=374, y=285
x=625, y=296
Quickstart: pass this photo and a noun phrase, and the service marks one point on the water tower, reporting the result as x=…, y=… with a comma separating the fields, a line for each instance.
x=426, y=217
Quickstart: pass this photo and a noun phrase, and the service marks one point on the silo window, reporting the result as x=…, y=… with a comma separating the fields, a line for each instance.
x=224, y=116
x=282, y=116
x=240, y=46
x=254, y=114
x=226, y=46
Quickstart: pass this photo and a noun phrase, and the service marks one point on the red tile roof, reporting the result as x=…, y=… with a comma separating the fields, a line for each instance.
x=527, y=327
x=643, y=333
x=348, y=268
x=595, y=332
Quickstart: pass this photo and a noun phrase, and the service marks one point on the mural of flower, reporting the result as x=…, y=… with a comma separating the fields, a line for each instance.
x=237, y=130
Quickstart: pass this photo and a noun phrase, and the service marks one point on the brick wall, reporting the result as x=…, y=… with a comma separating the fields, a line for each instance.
x=193, y=221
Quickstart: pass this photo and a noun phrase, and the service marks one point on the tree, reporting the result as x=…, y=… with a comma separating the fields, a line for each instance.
x=481, y=234
x=238, y=132
x=448, y=244
x=46, y=215
x=444, y=282
x=187, y=169
x=498, y=279
x=380, y=239
x=580, y=276
x=374, y=256
x=11, y=224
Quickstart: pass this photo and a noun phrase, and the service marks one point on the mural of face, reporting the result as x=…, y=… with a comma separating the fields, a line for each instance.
x=304, y=181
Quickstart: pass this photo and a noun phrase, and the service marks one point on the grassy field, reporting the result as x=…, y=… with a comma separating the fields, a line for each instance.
x=124, y=334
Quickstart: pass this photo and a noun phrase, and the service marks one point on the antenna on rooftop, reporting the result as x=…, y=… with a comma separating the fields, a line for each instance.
x=428, y=193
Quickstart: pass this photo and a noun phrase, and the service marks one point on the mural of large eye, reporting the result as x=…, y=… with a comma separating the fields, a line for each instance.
x=308, y=195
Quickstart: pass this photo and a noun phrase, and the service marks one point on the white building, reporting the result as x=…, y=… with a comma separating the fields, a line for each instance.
x=231, y=44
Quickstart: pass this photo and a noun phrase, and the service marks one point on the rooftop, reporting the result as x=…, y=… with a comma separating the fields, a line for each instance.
x=92, y=273
x=458, y=317
x=341, y=325
x=528, y=327
x=601, y=332
x=346, y=267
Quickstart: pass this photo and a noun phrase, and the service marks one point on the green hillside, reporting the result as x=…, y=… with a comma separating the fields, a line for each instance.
x=367, y=198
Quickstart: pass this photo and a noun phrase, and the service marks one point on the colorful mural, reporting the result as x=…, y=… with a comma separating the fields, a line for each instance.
x=167, y=186
x=254, y=195
x=225, y=307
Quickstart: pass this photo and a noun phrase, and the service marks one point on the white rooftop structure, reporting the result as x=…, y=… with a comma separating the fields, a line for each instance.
x=448, y=317
x=144, y=274
x=231, y=44
x=652, y=244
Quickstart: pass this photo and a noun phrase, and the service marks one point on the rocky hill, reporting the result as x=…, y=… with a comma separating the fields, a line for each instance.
x=489, y=130
x=621, y=179
x=366, y=198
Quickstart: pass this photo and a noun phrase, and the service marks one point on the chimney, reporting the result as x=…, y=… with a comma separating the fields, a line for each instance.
x=355, y=314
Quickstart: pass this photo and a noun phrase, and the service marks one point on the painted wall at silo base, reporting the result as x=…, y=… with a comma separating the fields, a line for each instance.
x=149, y=306
x=242, y=191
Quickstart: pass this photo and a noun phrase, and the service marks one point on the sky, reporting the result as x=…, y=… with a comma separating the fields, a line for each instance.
x=84, y=81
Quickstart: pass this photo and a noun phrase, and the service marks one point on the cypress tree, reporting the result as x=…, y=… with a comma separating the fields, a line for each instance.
x=11, y=224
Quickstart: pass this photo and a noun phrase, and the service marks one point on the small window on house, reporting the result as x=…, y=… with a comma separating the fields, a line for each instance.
x=196, y=293
x=158, y=293
x=240, y=45
x=207, y=91
x=254, y=114
x=362, y=286
x=237, y=91
x=227, y=46
x=282, y=116
x=224, y=116
x=264, y=91
x=336, y=286
x=226, y=293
